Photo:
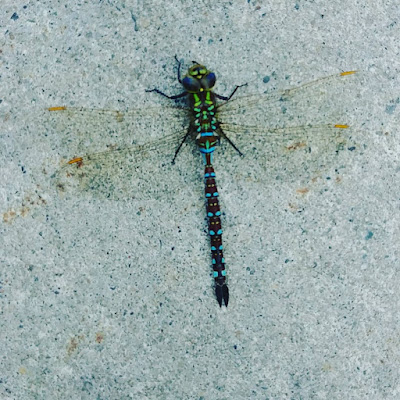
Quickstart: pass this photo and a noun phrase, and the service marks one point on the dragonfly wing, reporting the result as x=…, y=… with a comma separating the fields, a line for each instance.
x=246, y=135
x=127, y=170
x=166, y=112
x=321, y=98
x=139, y=172
x=79, y=128
x=296, y=153
x=311, y=116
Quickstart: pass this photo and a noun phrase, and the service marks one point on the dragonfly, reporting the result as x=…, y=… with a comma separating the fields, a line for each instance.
x=210, y=118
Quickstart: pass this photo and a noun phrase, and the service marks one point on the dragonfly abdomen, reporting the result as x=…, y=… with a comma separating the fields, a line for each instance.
x=215, y=232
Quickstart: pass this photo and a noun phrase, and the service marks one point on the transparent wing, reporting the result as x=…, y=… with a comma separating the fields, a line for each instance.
x=279, y=101
x=294, y=134
x=137, y=164
x=247, y=137
x=120, y=116
x=298, y=154
x=140, y=172
x=91, y=128
x=309, y=119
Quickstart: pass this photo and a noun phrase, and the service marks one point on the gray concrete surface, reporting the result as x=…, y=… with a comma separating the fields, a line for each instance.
x=105, y=286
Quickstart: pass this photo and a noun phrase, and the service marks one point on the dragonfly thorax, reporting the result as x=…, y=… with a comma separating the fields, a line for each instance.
x=205, y=123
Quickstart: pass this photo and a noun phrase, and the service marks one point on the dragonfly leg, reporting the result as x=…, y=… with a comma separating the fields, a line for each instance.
x=177, y=96
x=223, y=134
x=225, y=98
x=181, y=144
x=179, y=69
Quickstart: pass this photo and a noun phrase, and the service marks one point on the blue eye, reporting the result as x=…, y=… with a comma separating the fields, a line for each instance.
x=191, y=84
x=208, y=81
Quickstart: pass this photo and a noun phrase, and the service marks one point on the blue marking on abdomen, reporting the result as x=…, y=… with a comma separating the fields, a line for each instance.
x=206, y=151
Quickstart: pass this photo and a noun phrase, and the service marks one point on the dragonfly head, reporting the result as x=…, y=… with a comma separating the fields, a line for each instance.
x=198, y=78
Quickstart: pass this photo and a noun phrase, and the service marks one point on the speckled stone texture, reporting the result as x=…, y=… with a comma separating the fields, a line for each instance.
x=105, y=284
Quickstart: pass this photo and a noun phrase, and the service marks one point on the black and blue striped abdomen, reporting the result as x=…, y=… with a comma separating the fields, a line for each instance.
x=215, y=232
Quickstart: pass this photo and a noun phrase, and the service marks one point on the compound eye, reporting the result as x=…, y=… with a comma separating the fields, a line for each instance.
x=208, y=81
x=192, y=85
